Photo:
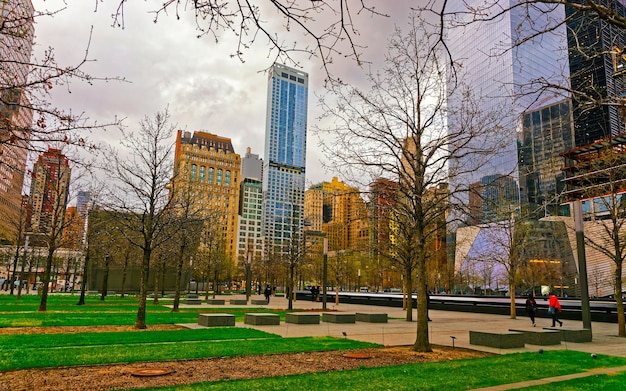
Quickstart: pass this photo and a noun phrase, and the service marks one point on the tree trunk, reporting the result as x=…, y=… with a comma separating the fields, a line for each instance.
x=292, y=266
x=619, y=302
x=512, y=296
x=422, y=344
x=105, y=278
x=216, y=286
x=19, y=287
x=155, y=293
x=140, y=323
x=179, y=276
x=83, y=284
x=46, y=281
x=17, y=257
x=124, y=272
x=408, y=289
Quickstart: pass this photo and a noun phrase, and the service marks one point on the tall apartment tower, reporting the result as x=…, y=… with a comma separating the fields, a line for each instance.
x=249, y=234
x=596, y=66
x=49, y=191
x=501, y=75
x=207, y=169
x=16, y=40
x=285, y=157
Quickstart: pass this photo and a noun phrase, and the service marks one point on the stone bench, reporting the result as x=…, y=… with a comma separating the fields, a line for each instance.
x=371, y=317
x=572, y=335
x=238, y=302
x=259, y=301
x=191, y=296
x=338, y=317
x=216, y=301
x=540, y=337
x=302, y=318
x=262, y=319
x=216, y=320
x=505, y=340
x=192, y=301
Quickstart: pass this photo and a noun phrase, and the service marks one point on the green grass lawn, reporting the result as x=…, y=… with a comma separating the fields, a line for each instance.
x=438, y=376
x=71, y=349
x=114, y=311
x=69, y=355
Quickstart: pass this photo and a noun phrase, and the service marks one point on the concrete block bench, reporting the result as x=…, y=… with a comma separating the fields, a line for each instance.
x=262, y=319
x=259, y=301
x=192, y=301
x=191, y=296
x=216, y=301
x=371, y=317
x=505, y=340
x=302, y=318
x=572, y=334
x=540, y=337
x=338, y=317
x=216, y=320
x=238, y=302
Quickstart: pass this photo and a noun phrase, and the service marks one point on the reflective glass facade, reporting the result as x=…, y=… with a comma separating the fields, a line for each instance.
x=503, y=82
x=285, y=156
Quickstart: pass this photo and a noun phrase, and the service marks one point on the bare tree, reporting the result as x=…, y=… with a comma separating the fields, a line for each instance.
x=26, y=83
x=51, y=182
x=139, y=192
x=325, y=29
x=397, y=130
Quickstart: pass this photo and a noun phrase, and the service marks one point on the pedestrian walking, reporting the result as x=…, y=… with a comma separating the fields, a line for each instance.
x=531, y=307
x=268, y=293
x=554, y=307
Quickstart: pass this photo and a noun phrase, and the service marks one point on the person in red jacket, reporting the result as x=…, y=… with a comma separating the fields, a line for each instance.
x=554, y=308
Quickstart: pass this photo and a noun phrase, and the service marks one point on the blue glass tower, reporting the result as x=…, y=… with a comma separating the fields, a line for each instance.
x=285, y=157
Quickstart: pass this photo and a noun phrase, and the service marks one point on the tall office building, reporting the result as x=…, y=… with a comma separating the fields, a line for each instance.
x=49, y=191
x=547, y=131
x=16, y=40
x=596, y=64
x=285, y=157
x=207, y=169
x=501, y=75
x=249, y=233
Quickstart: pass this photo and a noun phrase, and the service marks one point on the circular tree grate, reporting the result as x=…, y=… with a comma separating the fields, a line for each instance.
x=360, y=356
x=147, y=372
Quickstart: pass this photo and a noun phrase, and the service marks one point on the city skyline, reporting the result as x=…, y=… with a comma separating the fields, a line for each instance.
x=165, y=64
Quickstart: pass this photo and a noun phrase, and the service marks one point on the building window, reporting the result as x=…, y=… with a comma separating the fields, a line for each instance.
x=193, y=172
x=227, y=179
x=219, y=176
x=211, y=174
x=202, y=173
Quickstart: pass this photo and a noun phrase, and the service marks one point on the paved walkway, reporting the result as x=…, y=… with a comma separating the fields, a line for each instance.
x=448, y=328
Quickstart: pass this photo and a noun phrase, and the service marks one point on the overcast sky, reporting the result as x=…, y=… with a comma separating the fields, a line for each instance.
x=166, y=65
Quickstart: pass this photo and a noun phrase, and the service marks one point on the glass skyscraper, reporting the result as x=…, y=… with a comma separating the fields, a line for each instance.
x=285, y=157
x=503, y=77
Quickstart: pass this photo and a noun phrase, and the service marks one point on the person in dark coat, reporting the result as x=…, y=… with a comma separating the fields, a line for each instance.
x=531, y=307
x=268, y=293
